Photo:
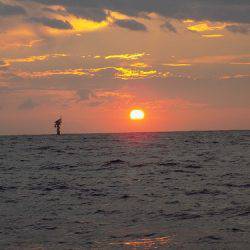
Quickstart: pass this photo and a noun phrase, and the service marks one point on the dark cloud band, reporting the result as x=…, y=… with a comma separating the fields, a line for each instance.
x=52, y=23
x=10, y=10
x=213, y=10
x=169, y=27
x=131, y=25
x=242, y=29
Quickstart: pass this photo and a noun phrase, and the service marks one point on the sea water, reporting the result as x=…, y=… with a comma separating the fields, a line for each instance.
x=183, y=190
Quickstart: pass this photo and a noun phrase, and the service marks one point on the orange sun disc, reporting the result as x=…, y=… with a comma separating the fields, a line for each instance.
x=137, y=114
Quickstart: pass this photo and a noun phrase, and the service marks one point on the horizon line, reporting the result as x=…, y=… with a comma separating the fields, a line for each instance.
x=130, y=132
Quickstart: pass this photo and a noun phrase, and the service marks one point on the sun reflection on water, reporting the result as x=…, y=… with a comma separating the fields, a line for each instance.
x=145, y=243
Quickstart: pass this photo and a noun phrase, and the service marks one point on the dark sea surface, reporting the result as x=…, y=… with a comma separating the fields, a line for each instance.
x=185, y=190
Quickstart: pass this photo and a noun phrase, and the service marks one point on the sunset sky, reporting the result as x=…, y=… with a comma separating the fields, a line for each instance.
x=186, y=64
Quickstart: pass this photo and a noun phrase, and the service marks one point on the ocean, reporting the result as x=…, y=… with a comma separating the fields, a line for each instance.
x=178, y=190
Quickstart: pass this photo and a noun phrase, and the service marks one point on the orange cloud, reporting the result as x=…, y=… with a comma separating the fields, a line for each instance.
x=213, y=36
x=201, y=27
x=134, y=56
x=224, y=59
x=49, y=73
x=139, y=65
x=126, y=74
x=120, y=73
x=81, y=25
x=32, y=58
x=177, y=64
x=132, y=74
x=240, y=63
x=238, y=76
x=119, y=94
x=188, y=21
x=18, y=36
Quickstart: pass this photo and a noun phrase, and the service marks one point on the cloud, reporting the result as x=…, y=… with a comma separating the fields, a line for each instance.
x=126, y=57
x=94, y=98
x=213, y=36
x=3, y=64
x=4, y=88
x=22, y=43
x=201, y=27
x=28, y=104
x=9, y=10
x=169, y=27
x=139, y=65
x=52, y=23
x=237, y=76
x=9, y=61
x=242, y=29
x=220, y=59
x=240, y=63
x=131, y=25
x=51, y=73
x=177, y=64
x=133, y=74
x=213, y=10
x=93, y=14
x=115, y=72
x=84, y=94
x=134, y=56
x=130, y=74
x=102, y=97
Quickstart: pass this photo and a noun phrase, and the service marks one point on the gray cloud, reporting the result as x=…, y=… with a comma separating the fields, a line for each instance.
x=169, y=27
x=3, y=65
x=242, y=29
x=213, y=10
x=90, y=98
x=52, y=23
x=84, y=94
x=131, y=25
x=28, y=104
x=9, y=10
x=5, y=89
x=93, y=14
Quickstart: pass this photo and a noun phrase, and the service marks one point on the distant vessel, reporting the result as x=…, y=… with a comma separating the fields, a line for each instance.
x=58, y=124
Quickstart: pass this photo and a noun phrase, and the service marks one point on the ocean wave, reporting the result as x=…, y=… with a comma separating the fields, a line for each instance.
x=125, y=191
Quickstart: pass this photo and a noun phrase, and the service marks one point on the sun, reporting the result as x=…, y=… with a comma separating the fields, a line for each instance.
x=137, y=114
